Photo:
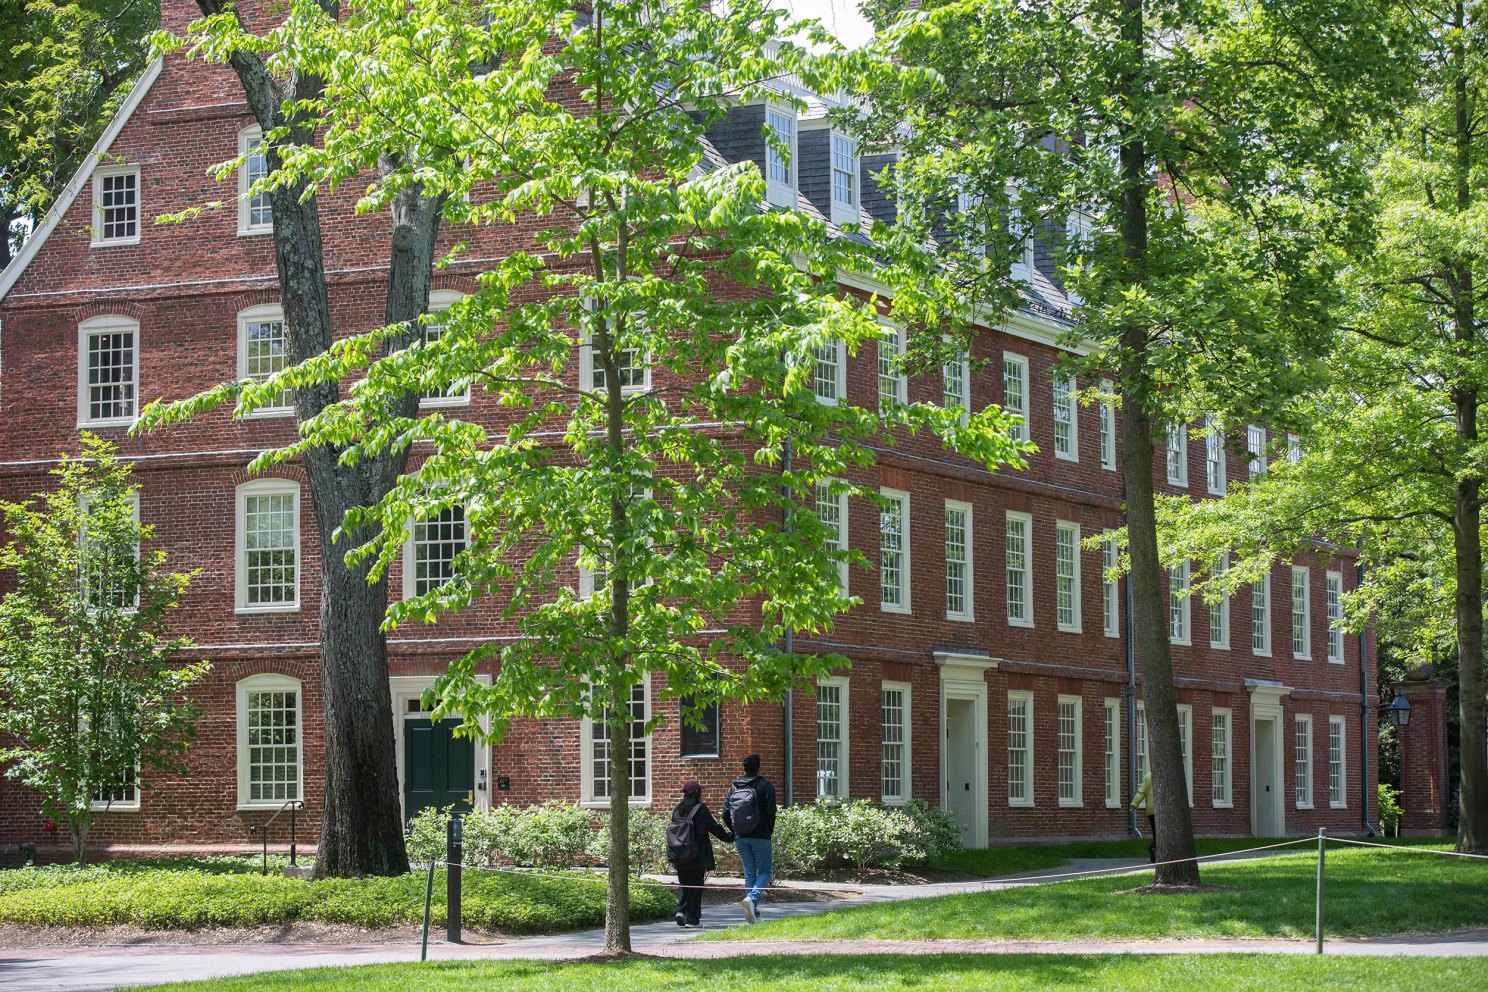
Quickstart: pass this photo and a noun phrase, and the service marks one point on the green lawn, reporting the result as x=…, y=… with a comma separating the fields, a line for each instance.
x=1368, y=893
x=229, y=892
x=940, y=973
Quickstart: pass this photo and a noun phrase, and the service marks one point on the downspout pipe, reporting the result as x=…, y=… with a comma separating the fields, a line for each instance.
x=788, y=750
x=1364, y=717
x=1134, y=766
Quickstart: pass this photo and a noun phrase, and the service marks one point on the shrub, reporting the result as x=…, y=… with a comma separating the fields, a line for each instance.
x=647, y=842
x=552, y=835
x=1389, y=809
x=859, y=834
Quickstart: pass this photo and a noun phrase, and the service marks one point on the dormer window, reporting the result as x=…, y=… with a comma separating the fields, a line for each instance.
x=780, y=155
x=844, y=179
x=255, y=212
x=1022, y=267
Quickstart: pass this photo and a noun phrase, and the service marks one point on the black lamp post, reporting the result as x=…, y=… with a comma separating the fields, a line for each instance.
x=1398, y=710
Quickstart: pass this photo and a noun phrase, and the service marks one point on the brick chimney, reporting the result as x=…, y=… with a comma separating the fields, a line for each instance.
x=1424, y=788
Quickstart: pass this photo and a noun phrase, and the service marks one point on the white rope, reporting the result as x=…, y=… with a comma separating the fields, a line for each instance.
x=1135, y=869
x=1409, y=849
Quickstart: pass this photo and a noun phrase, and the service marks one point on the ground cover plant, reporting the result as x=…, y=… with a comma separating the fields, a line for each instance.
x=229, y=892
x=870, y=973
x=1368, y=893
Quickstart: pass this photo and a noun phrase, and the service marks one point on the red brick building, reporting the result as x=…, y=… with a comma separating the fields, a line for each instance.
x=991, y=668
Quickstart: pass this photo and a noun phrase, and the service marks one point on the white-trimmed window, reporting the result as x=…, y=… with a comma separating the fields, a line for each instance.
x=108, y=370
x=894, y=764
x=831, y=737
x=1112, y=709
x=118, y=797
x=433, y=545
x=1020, y=748
x=893, y=551
x=1301, y=613
x=1022, y=265
x=844, y=179
x=780, y=165
x=1015, y=391
x=829, y=372
x=268, y=546
x=1219, y=767
x=1303, y=763
x=632, y=366
x=1070, y=756
x=958, y=560
x=263, y=351
x=1110, y=590
x=1177, y=446
x=1180, y=604
x=831, y=510
x=1067, y=576
x=1019, y=570
x=116, y=205
x=1108, y=429
x=1293, y=448
x=893, y=382
x=457, y=393
x=1185, y=745
x=270, y=749
x=1255, y=443
x=956, y=385
x=1260, y=616
x=106, y=589
x=255, y=210
x=1066, y=418
x=1214, y=457
x=1219, y=609
x=1143, y=767
x=1337, y=786
x=596, y=746
x=1335, y=616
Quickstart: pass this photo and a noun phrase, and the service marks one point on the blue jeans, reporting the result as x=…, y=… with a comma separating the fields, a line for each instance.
x=757, y=856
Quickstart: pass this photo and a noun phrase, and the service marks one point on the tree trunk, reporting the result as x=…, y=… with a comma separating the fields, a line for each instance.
x=78, y=825
x=1149, y=611
x=617, y=874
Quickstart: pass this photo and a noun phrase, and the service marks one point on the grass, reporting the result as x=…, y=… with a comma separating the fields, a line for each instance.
x=186, y=894
x=864, y=973
x=1368, y=893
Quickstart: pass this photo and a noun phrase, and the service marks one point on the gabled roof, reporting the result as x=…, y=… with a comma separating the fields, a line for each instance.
x=80, y=179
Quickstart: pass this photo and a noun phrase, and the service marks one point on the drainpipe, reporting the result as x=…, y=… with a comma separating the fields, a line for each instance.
x=1364, y=719
x=788, y=753
x=1133, y=765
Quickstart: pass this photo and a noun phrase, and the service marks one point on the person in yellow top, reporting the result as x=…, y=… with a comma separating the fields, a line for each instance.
x=1143, y=801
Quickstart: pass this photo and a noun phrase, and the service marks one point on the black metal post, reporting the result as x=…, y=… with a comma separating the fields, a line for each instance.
x=266, y=848
x=454, y=854
x=292, y=857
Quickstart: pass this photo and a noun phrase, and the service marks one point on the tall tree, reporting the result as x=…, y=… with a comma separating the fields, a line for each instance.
x=91, y=683
x=1184, y=156
x=656, y=342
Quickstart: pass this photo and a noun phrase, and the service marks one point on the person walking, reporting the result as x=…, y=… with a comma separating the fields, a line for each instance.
x=1143, y=801
x=749, y=811
x=690, y=850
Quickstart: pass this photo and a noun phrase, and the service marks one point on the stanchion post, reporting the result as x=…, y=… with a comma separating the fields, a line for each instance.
x=454, y=855
x=1322, y=840
x=428, y=898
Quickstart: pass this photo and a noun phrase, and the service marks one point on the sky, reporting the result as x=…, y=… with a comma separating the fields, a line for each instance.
x=841, y=16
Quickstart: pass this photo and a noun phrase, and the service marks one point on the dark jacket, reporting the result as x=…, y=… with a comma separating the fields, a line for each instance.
x=703, y=824
x=765, y=796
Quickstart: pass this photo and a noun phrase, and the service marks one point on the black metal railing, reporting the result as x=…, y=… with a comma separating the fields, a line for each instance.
x=262, y=829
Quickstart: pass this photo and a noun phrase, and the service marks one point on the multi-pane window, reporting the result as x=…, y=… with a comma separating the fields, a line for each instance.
x=1255, y=443
x=893, y=551
x=269, y=758
x=1020, y=749
x=831, y=509
x=1108, y=431
x=1143, y=767
x=1337, y=789
x=1301, y=613
x=433, y=547
x=255, y=210
x=780, y=155
x=831, y=737
x=1110, y=589
x=109, y=370
x=1219, y=609
x=1303, y=763
x=1219, y=768
x=958, y=560
x=121, y=794
x=109, y=571
x=1293, y=448
x=705, y=741
x=1335, y=616
x=457, y=393
x=893, y=383
x=1179, y=605
x=1066, y=423
x=630, y=370
x=263, y=347
x=1067, y=576
x=1214, y=457
x=828, y=378
x=1260, y=616
x=1185, y=745
x=1069, y=751
x=638, y=756
x=269, y=545
x=894, y=756
x=116, y=206
x=1015, y=391
x=1177, y=448
x=956, y=380
x=844, y=178
x=1113, y=752
x=1019, y=577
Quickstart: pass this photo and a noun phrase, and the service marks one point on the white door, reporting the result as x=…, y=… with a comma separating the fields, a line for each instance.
x=1265, y=788
x=961, y=766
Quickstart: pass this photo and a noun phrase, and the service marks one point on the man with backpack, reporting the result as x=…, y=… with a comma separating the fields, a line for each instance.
x=749, y=811
x=690, y=850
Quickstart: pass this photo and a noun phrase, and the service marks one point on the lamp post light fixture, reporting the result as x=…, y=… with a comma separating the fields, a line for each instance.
x=1398, y=710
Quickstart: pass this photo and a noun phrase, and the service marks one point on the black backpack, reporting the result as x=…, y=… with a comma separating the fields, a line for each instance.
x=682, y=845
x=742, y=804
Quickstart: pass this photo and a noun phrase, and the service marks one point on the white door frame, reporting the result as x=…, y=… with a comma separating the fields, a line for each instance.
x=1265, y=704
x=411, y=687
x=962, y=677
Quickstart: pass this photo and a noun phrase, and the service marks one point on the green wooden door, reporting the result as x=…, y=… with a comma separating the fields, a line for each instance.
x=438, y=767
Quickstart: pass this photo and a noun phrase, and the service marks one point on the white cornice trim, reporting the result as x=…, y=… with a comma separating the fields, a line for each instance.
x=80, y=180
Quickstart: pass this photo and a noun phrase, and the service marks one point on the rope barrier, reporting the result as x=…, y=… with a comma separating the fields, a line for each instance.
x=1409, y=849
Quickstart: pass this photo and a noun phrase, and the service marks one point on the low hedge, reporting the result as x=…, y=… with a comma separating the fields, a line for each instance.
x=192, y=896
